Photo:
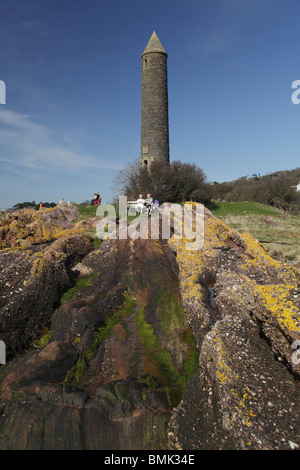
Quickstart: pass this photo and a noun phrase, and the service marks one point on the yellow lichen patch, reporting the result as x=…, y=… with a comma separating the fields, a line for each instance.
x=192, y=262
x=230, y=381
x=276, y=299
x=243, y=409
x=215, y=233
x=35, y=227
x=226, y=376
x=42, y=263
x=258, y=257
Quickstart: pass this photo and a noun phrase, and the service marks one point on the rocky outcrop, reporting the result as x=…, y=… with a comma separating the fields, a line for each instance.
x=152, y=347
x=34, y=277
x=243, y=307
x=27, y=227
x=115, y=362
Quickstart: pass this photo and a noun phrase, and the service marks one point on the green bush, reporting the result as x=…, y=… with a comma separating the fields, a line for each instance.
x=176, y=182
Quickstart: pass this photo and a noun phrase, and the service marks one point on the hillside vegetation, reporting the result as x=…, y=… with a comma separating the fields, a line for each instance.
x=275, y=189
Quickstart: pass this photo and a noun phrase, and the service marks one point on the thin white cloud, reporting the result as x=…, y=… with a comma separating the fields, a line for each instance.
x=18, y=121
x=24, y=142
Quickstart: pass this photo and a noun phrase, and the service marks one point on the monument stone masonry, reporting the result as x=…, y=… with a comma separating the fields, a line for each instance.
x=155, y=113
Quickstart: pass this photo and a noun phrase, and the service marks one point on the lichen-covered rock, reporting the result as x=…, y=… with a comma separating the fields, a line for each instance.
x=243, y=307
x=39, y=249
x=116, y=361
x=31, y=286
x=120, y=345
x=29, y=227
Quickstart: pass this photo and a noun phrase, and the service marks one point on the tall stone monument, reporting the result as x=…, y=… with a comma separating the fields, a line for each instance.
x=155, y=112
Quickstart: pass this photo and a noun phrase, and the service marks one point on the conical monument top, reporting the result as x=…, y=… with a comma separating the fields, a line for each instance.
x=154, y=45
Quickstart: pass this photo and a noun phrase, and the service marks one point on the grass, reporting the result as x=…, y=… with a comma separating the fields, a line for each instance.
x=243, y=208
x=276, y=230
x=81, y=283
x=87, y=211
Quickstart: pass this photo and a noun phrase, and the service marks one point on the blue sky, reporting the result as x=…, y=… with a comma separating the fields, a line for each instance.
x=72, y=71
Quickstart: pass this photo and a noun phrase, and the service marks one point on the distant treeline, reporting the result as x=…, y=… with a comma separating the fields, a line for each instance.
x=33, y=205
x=276, y=189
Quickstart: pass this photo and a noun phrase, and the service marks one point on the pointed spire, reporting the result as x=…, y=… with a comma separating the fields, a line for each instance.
x=154, y=45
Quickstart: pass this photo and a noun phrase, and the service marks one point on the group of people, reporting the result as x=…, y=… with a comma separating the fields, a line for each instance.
x=148, y=202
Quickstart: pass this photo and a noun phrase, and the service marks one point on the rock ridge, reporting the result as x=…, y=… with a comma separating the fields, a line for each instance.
x=116, y=355
x=151, y=347
x=243, y=307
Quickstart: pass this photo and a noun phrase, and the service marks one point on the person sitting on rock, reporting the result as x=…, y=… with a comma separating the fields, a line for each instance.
x=96, y=201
